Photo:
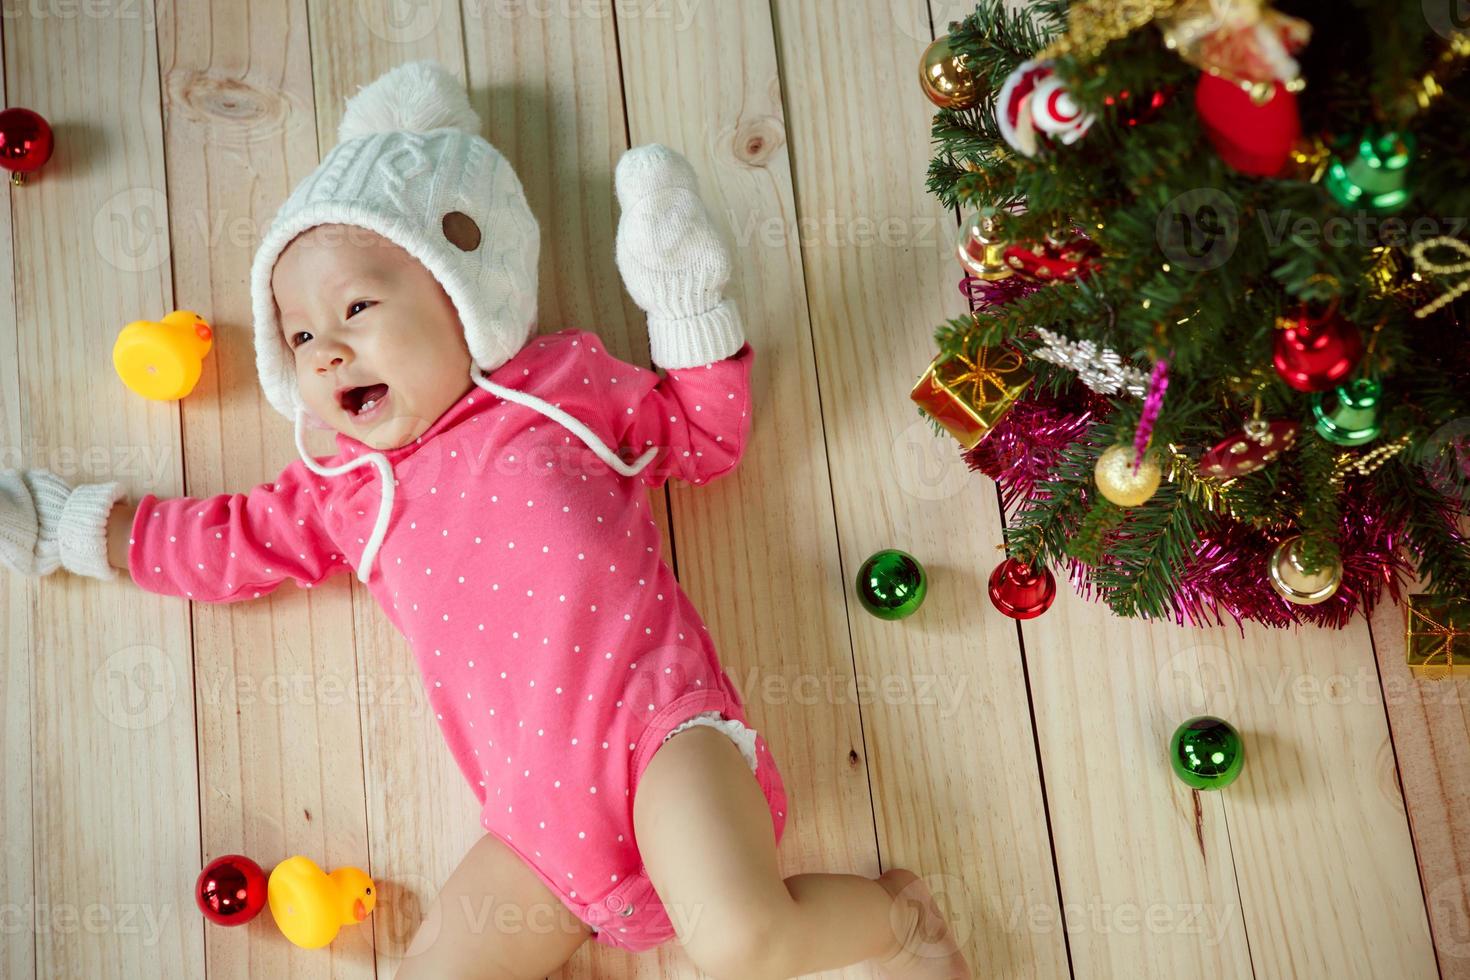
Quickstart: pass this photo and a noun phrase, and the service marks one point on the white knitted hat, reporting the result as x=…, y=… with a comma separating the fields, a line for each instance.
x=411, y=166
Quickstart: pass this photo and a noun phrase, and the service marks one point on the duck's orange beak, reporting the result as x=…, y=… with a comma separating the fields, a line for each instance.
x=359, y=910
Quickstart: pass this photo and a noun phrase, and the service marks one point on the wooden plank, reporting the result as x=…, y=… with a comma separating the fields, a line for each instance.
x=116, y=832
x=17, y=843
x=1148, y=882
x=1317, y=811
x=758, y=549
x=951, y=753
x=279, y=734
x=1430, y=722
x=421, y=817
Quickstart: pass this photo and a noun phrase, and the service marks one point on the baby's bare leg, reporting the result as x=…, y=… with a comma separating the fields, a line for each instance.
x=704, y=830
x=493, y=920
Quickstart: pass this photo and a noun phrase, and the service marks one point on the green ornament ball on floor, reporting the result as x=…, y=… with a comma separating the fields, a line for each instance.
x=1206, y=752
x=891, y=584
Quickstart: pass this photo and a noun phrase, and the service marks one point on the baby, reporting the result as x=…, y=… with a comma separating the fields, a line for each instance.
x=482, y=494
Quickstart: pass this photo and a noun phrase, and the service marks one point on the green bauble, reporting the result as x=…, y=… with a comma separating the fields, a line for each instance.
x=1349, y=415
x=1377, y=179
x=891, y=584
x=1206, y=753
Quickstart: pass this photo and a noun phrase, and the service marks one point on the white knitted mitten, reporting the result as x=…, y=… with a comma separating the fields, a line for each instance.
x=673, y=260
x=45, y=524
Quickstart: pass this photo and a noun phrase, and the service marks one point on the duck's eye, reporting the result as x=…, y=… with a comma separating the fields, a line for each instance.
x=298, y=338
x=357, y=307
x=369, y=891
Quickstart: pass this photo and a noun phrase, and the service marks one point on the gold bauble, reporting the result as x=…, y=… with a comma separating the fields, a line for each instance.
x=1294, y=584
x=946, y=77
x=1118, y=482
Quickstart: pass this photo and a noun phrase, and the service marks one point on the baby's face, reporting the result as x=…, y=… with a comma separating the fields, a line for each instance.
x=379, y=348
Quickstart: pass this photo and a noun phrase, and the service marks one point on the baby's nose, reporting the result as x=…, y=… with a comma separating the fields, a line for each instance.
x=335, y=361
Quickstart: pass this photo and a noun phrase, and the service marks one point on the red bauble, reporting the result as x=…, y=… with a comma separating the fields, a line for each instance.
x=1058, y=257
x=1021, y=592
x=1252, y=138
x=1316, y=353
x=25, y=142
x=231, y=890
x=1253, y=447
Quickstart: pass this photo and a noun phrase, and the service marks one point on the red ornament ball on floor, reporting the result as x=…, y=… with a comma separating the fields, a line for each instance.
x=231, y=890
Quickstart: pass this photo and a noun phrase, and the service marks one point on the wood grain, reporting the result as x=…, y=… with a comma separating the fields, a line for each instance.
x=1022, y=772
x=758, y=548
x=115, y=843
x=950, y=750
x=1430, y=721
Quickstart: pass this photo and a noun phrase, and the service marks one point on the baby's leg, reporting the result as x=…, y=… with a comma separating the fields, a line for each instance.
x=493, y=920
x=704, y=831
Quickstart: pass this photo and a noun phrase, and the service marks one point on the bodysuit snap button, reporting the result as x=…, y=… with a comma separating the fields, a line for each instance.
x=627, y=910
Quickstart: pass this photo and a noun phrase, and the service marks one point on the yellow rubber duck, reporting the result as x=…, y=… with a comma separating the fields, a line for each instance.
x=163, y=361
x=310, y=905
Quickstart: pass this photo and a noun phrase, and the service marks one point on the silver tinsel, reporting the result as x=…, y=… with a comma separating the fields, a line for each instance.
x=1099, y=368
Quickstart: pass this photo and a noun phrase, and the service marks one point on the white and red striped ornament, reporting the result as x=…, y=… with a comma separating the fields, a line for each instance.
x=1034, y=109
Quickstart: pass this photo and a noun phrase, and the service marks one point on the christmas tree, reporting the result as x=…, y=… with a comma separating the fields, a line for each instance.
x=1218, y=357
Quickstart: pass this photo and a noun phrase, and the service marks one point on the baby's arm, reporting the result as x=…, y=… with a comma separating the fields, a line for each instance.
x=231, y=546
x=699, y=417
x=216, y=549
x=119, y=527
x=676, y=267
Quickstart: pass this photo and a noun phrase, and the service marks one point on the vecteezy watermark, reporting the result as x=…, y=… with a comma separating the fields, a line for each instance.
x=836, y=230
x=944, y=691
x=1100, y=917
x=926, y=466
x=140, y=919
x=143, y=10
x=1448, y=906
x=130, y=229
x=315, y=689
x=136, y=687
x=679, y=13
x=144, y=464
x=1209, y=680
x=1199, y=229
x=913, y=19
x=1444, y=458
x=1447, y=17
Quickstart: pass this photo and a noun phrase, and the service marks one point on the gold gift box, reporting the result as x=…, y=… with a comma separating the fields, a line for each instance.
x=1437, y=636
x=968, y=397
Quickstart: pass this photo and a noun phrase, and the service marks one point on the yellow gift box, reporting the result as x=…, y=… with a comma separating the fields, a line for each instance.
x=968, y=397
x=1437, y=635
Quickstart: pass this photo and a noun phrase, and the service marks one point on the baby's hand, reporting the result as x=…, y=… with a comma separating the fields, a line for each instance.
x=673, y=261
x=45, y=524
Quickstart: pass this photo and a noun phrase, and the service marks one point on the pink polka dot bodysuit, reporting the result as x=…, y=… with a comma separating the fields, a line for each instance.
x=556, y=648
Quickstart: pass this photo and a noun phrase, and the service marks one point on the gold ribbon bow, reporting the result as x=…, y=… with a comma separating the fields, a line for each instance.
x=1426, y=267
x=985, y=372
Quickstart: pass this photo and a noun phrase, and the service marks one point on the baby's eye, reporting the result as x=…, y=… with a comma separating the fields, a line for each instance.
x=357, y=307
x=296, y=338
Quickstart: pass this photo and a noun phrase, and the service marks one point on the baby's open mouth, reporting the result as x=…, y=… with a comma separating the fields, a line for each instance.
x=362, y=401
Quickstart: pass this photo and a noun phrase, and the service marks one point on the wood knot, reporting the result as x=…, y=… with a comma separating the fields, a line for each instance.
x=228, y=110
x=757, y=139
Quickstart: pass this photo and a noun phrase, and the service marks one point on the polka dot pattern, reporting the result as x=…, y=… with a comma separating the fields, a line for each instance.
x=553, y=691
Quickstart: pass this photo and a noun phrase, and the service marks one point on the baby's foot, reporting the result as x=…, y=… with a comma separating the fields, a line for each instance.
x=925, y=947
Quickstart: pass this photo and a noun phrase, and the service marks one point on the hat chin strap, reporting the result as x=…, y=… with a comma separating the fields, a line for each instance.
x=385, y=503
x=575, y=426
x=385, y=469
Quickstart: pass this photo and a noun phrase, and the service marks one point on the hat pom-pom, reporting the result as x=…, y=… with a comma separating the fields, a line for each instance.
x=417, y=97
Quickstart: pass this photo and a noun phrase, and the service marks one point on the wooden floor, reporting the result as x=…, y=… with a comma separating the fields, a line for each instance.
x=1021, y=770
